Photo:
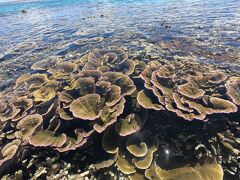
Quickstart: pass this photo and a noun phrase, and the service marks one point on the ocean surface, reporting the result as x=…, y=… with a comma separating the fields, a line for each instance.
x=209, y=30
x=206, y=31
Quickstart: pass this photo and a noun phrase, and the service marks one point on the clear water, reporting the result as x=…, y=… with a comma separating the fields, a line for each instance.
x=209, y=30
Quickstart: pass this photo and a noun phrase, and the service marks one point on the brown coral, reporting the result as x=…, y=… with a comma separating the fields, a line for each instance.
x=33, y=81
x=46, y=64
x=121, y=80
x=15, y=109
x=24, y=104
x=9, y=151
x=148, y=101
x=189, y=94
x=87, y=107
x=44, y=94
x=110, y=142
x=47, y=138
x=63, y=67
x=140, y=150
x=113, y=59
x=84, y=41
x=136, y=147
x=27, y=126
x=128, y=125
x=74, y=143
x=191, y=90
x=201, y=172
x=233, y=89
x=61, y=95
x=69, y=102
x=125, y=166
x=8, y=111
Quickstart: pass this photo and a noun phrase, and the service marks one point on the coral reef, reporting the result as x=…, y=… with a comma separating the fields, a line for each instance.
x=188, y=89
x=212, y=171
x=119, y=100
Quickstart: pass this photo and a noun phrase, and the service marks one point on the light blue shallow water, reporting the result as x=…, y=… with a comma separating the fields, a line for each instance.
x=35, y=4
x=209, y=30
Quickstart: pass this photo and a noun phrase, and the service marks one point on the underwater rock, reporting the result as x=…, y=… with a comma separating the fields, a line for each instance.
x=5, y=83
x=23, y=11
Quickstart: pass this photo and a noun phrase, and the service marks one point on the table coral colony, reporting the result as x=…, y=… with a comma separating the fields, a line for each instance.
x=63, y=105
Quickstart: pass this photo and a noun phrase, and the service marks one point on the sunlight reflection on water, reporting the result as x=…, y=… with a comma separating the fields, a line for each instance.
x=205, y=26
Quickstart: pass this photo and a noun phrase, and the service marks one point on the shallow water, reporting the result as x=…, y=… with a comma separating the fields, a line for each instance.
x=209, y=30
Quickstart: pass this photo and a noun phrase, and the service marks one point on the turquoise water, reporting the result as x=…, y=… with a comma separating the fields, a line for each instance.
x=35, y=4
x=18, y=6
